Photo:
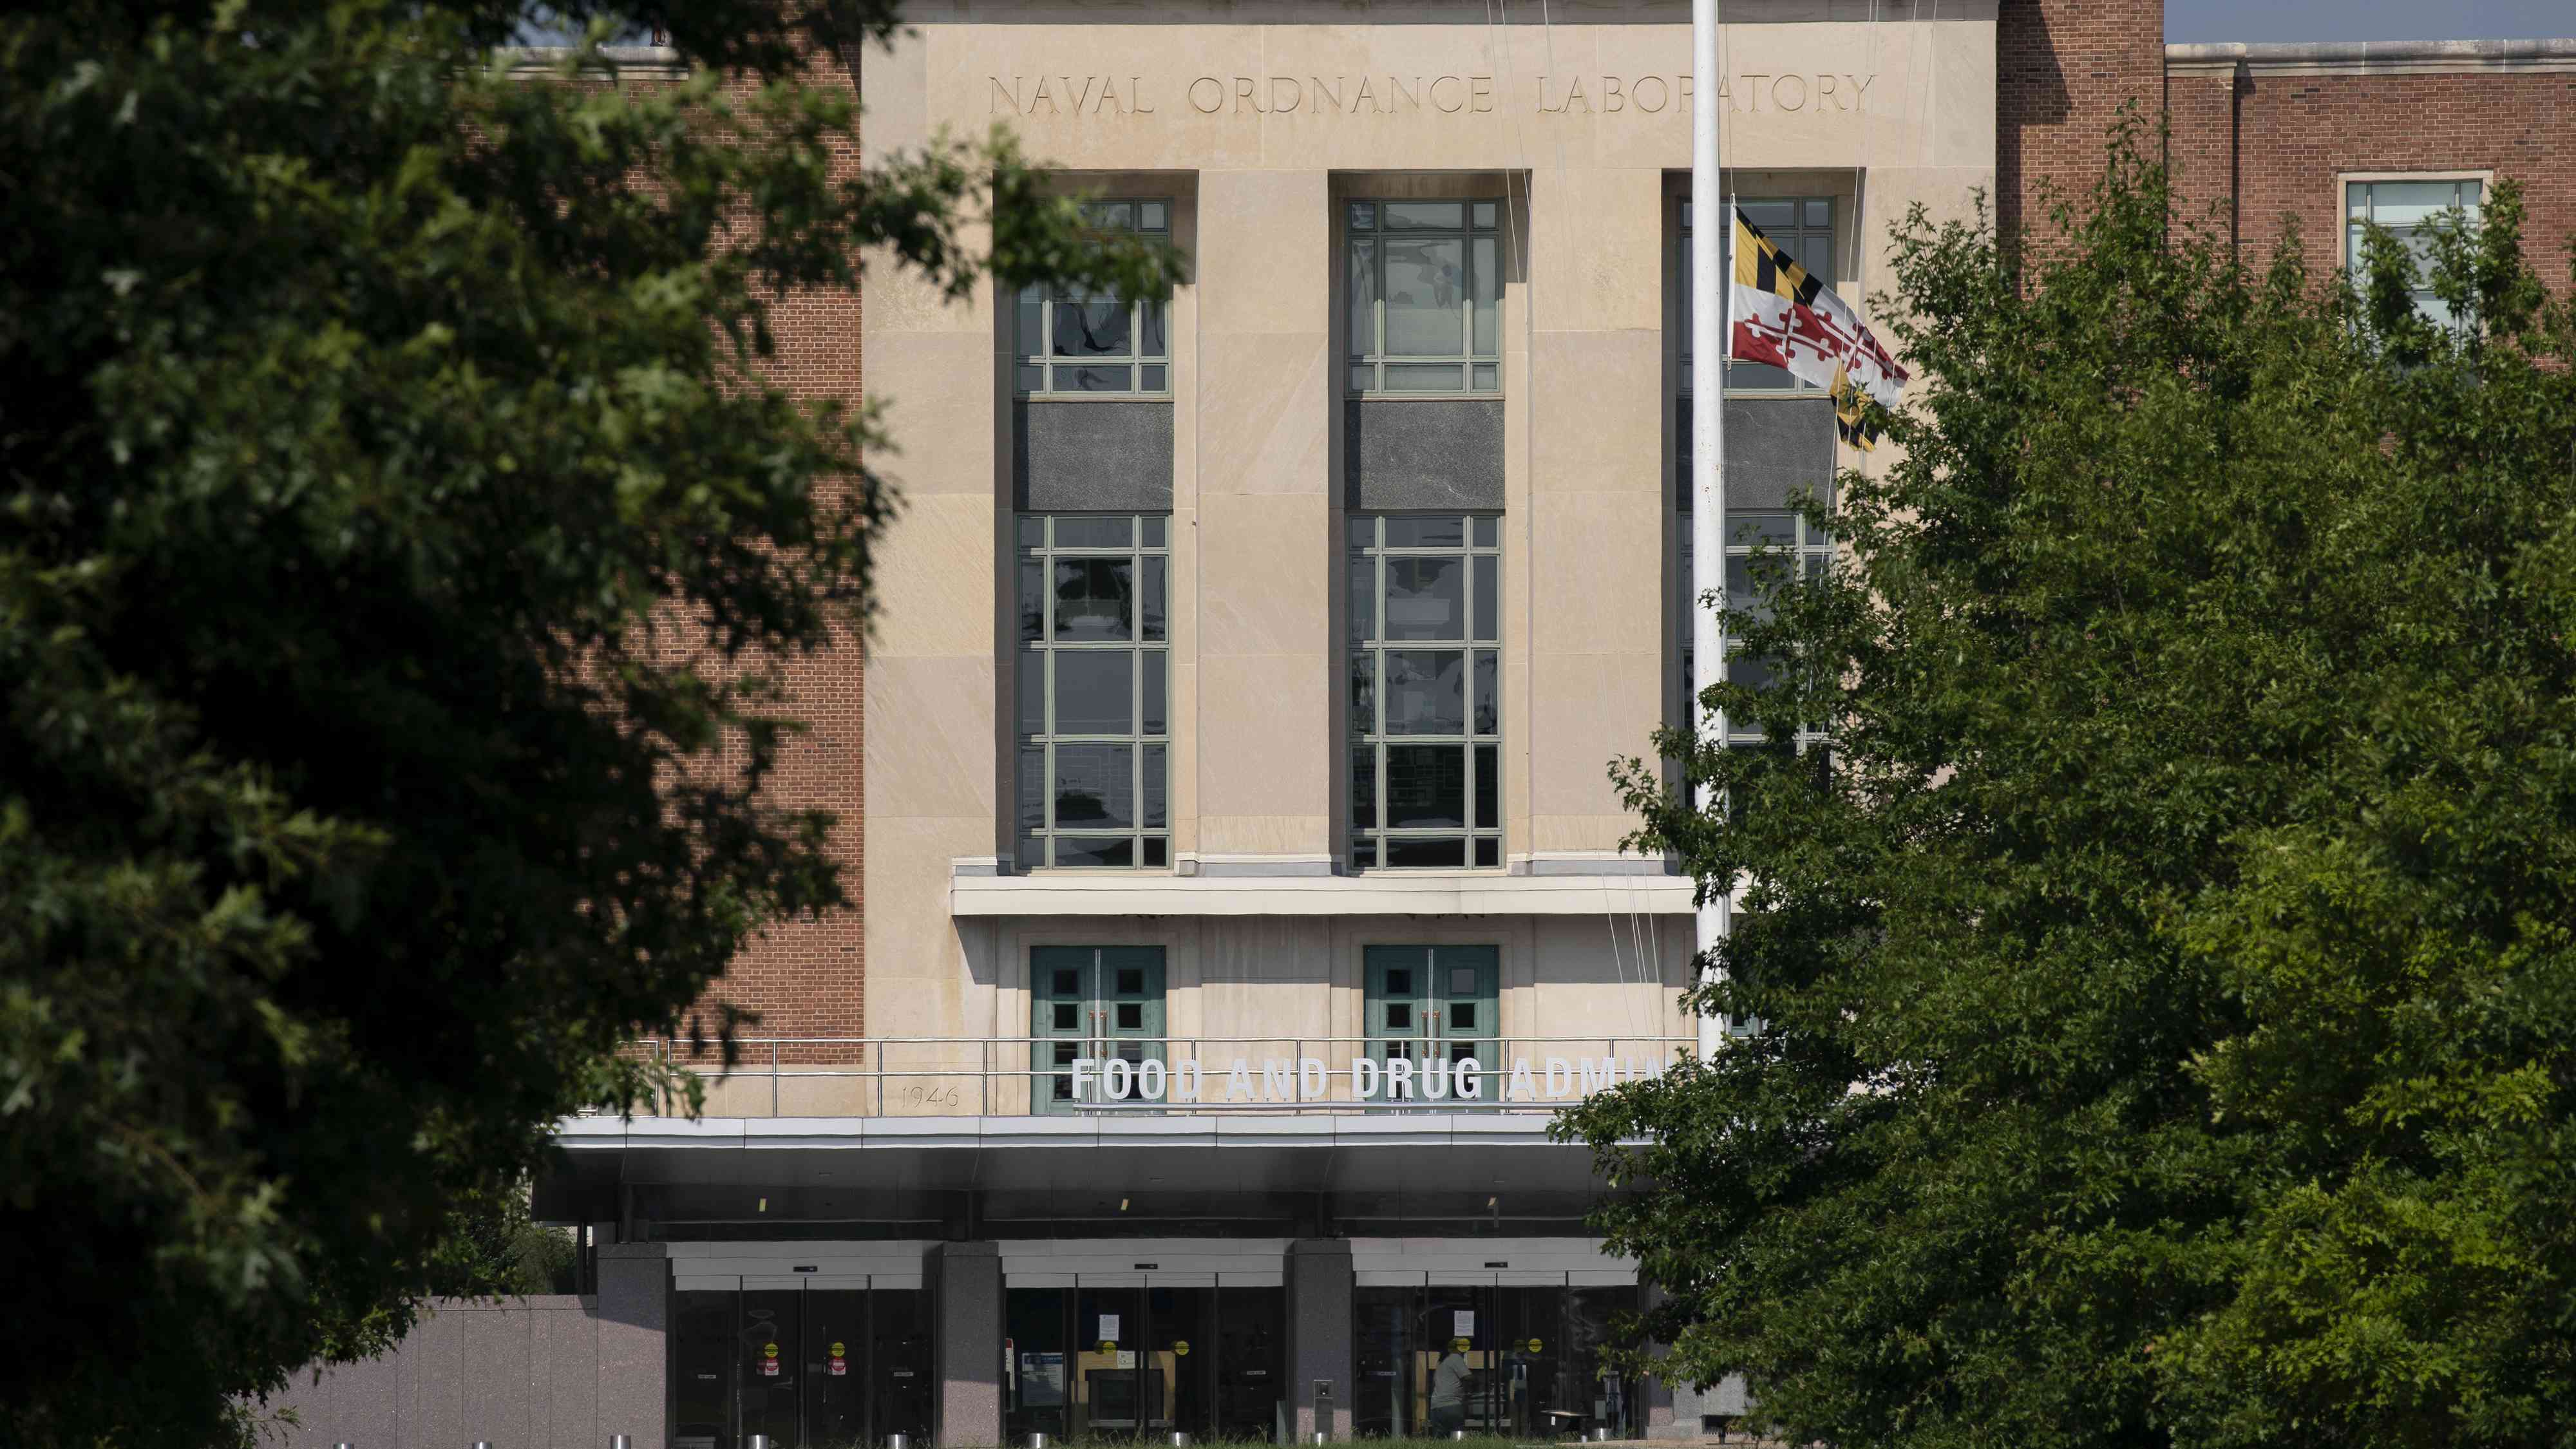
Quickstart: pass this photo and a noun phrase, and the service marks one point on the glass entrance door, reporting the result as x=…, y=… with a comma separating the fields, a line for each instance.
x=1100, y=1003
x=807, y=1367
x=1126, y=1357
x=1491, y=1359
x=1430, y=1010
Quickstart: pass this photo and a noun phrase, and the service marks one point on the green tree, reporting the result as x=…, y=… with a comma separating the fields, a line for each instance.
x=2157, y=1020
x=402, y=539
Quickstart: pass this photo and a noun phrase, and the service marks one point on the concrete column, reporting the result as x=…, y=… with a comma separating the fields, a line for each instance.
x=634, y=1341
x=965, y=1282
x=1318, y=1272
x=1266, y=562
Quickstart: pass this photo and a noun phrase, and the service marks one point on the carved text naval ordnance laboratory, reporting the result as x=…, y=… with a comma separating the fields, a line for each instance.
x=1819, y=92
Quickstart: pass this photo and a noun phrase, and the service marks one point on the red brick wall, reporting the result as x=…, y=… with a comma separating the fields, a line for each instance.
x=2200, y=103
x=2063, y=69
x=807, y=978
x=2290, y=135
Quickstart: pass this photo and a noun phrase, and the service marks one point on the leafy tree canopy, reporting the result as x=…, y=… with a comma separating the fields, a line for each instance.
x=401, y=540
x=2157, y=1004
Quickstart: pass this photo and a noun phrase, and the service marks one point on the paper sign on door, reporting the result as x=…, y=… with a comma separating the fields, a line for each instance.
x=1466, y=1323
x=1109, y=1326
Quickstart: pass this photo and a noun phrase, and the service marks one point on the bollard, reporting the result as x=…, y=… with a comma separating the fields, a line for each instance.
x=898, y=1441
x=620, y=1441
x=1458, y=1435
x=1601, y=1435
x=1180, y=1440
x=758, y=1441
x=1317, y=1438
x=1039, y=1441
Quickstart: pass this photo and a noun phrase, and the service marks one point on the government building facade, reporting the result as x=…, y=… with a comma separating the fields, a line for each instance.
x=1225, y=782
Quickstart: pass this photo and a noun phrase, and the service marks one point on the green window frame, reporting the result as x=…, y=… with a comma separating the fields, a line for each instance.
x=1100, y=1002
x=1430, y=1004
x=1073, y=342
x=1426, y=690
x=1092, y=680
x=2415, y=209
x=1790, y=542
x=1423, y=285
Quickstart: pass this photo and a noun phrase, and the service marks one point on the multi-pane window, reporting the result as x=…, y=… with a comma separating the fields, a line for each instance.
x=1794, y=549
x=1101, y=1003
x=1082, y=341
x=2414, y=211
x=1423, y=278
x=1426, y=690
x=1093, y=698
x=1802, y=226
x=1431, y=1004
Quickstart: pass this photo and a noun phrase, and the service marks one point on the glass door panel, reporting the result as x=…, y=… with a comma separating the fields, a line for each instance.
x=771, y=1366
x=1131, y=1015
x=702, y=1368
x=1531, y=1352
x=1453, y=1384
x=1468, y=982
x=1612, y=1398
x=1184, y=1353
x=1111, y=1387
x=899, y=1364
x=835, y=1336
x=1251, y=1365
x=1382, y=1318
x=1061, y=1021
x=1038, y=1398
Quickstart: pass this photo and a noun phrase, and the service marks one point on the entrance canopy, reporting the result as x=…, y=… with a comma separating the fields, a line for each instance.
x=1110, y=1175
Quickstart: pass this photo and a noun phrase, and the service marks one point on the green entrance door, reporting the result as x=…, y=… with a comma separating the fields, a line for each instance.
x=1432, y=1008
x=1100, y=1003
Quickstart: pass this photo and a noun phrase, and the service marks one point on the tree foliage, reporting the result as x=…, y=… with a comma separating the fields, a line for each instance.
x=402, y=538
x=2158, y=1016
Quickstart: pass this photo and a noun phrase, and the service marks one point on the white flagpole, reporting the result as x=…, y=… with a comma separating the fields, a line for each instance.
x=1713, y=223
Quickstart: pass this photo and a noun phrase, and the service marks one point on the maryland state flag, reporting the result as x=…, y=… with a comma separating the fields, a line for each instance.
x=1787, y=318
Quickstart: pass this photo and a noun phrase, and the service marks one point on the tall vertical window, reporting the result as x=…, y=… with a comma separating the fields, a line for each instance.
x=1423, y=279
x=1079, y=341
x=1426, y=690
x=1791, y=545
x=1094, y=715
x=1803, y=226
x=2415, y=211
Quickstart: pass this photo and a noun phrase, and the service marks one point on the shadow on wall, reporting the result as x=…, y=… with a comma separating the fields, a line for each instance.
x=2031, y=94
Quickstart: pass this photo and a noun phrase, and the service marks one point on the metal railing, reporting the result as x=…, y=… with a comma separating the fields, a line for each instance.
x=944, y=1076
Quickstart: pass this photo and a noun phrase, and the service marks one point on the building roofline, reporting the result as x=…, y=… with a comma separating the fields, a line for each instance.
x=2377, y=57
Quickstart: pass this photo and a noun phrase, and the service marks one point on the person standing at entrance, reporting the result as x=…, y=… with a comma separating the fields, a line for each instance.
x=1449, y=1392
